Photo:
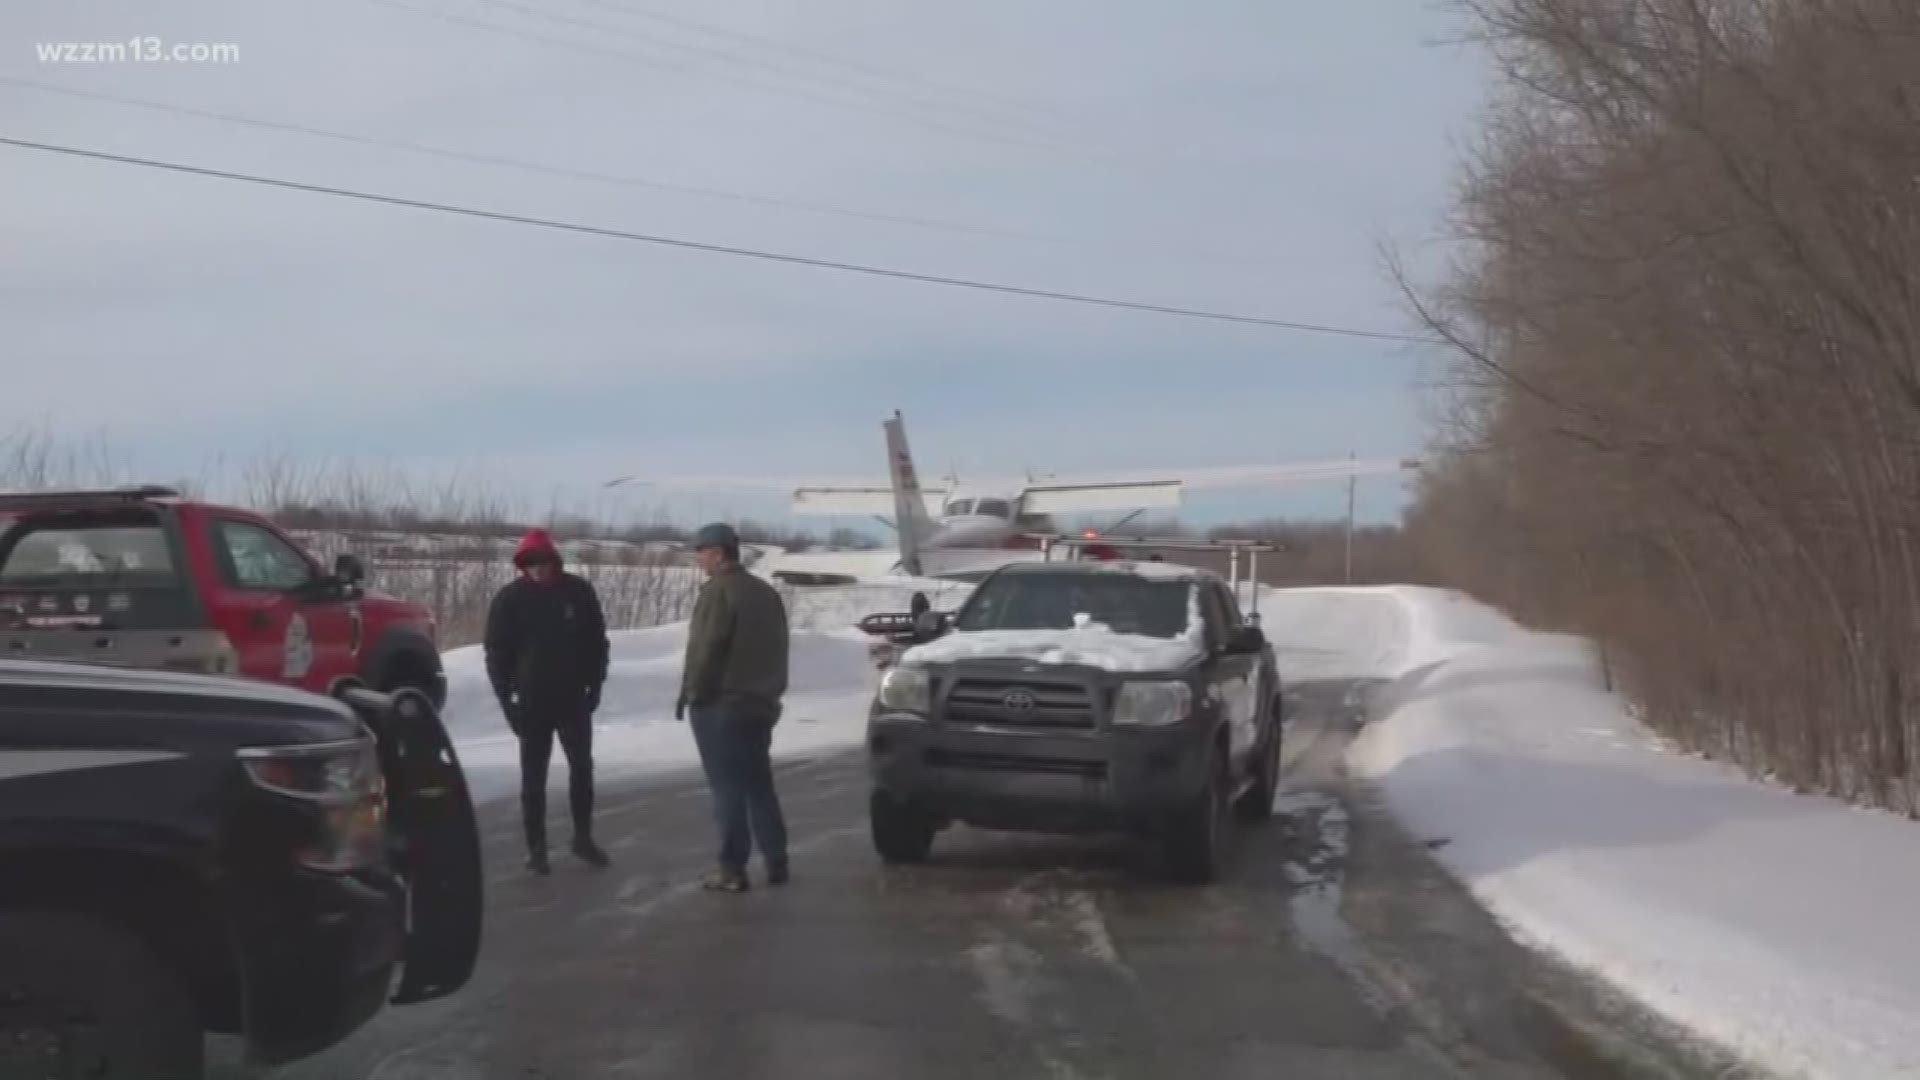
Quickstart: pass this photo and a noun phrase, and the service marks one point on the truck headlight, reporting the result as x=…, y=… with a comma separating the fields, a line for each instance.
x=343, y=783
x=1152, y=703
x=906, y=689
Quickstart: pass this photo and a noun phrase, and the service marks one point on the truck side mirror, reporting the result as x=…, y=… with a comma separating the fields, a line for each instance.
x=929, y=624
x=346, y=583
x=1246, y=640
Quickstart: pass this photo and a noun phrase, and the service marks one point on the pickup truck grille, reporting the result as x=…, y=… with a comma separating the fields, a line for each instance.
x=958, y=759
x=1017, y=703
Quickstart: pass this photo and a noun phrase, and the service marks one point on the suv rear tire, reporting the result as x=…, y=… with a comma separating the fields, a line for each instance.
x=901, y=834
x=1195, y=840
x=59, y=970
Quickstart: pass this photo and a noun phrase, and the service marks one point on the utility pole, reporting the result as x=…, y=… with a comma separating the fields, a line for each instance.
x=1351, y=481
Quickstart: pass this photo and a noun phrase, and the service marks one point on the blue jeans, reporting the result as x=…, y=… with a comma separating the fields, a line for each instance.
x=735, y=740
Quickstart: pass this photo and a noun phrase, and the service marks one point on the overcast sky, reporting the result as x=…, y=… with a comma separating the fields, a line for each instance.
x=1235, y=155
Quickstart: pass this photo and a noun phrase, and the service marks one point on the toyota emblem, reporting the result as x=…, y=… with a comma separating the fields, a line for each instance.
x=1019, y=701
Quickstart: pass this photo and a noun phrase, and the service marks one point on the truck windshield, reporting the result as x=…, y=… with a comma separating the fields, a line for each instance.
x=1121, y=602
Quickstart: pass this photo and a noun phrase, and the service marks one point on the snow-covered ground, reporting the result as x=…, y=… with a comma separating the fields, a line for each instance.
x=1778, y=925
x=839, y=607
x=1781, y=926
x=831, y=680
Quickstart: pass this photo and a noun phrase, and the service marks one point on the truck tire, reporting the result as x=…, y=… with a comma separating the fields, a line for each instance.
x=901, y=834
x=82, y=997
x=1256, y=804
x=1194, y=842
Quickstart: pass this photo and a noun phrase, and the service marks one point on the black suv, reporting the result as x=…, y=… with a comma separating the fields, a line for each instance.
x=1079, y=697
x=183, y=854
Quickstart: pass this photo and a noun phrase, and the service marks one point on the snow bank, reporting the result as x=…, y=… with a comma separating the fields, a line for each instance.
x=1779, y=925
x=635, y=732
x=831, y=680
x=839, y=607
x=1328, y=634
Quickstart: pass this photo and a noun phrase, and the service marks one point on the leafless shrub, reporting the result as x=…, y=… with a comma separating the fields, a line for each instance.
x=1684, y=411
x=1317, y=553
x=32, y=458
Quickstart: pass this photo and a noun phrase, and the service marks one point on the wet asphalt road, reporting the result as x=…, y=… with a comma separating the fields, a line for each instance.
x=1334, y=947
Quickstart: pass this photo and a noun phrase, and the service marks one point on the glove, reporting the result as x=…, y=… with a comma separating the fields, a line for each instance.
x=593, y=699
x=680, y=708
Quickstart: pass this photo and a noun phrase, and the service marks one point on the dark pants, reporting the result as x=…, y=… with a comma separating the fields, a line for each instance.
x=536, y=751
x=735, y=739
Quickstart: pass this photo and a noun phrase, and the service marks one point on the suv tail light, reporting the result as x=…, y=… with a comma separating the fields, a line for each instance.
x=343, y=783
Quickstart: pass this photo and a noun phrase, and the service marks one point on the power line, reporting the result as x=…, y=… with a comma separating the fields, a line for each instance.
x=533, y=166
x=968, y=113
x=879, y=106
x=624, y=180
x=717, y=249
x=874, y=71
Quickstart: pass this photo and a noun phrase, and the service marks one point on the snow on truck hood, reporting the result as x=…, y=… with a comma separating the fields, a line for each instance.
x=1089, y=643
x=1093, y=646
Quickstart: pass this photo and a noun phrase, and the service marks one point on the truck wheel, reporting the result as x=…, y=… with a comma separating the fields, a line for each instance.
x=81, y=997
x=1256, y=804
x=1196, y=836
x=901, y=834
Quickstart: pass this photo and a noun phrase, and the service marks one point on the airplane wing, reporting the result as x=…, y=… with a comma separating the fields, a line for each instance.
x=1158, y=489
x=1052, y=498
x=877, y=501
x=819, y=498
x=1147, y=489
x=1230, y=476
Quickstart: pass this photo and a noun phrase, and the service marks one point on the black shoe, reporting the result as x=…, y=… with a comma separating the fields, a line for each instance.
x=590, y=852
x=537, y=862
x=777, y=874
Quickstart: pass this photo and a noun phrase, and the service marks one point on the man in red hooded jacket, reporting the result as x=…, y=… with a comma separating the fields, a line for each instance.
x=547, y=652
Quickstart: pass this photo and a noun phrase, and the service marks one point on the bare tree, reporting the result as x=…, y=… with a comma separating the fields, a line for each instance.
x=1685, y=412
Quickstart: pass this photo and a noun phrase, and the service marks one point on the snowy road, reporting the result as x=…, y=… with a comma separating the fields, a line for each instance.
x=1334, y=948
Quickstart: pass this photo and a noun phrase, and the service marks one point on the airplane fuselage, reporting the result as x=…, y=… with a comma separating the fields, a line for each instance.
x=971, y=531
x=984, y=520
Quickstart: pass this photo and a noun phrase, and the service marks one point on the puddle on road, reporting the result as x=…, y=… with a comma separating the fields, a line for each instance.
x=1316, y=866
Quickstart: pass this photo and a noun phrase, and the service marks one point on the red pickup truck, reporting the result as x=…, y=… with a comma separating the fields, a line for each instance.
x=143, y=577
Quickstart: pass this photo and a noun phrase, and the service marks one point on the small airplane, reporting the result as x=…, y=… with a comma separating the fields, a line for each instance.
x=965, y=531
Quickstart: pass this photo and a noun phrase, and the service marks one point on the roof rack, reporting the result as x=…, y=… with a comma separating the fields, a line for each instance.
x=1169, y=543
x=59, y=497
x=1234, y=549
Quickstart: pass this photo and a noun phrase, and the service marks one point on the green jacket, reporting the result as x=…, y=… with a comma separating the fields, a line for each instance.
x=737, y=643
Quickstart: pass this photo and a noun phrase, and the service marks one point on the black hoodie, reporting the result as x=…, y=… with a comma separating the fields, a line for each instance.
x=546, y=642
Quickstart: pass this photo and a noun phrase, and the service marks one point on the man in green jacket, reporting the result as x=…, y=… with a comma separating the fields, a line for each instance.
x=733, y=682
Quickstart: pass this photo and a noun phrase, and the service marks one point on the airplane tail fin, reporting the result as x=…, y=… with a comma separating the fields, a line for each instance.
x=912, y=521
